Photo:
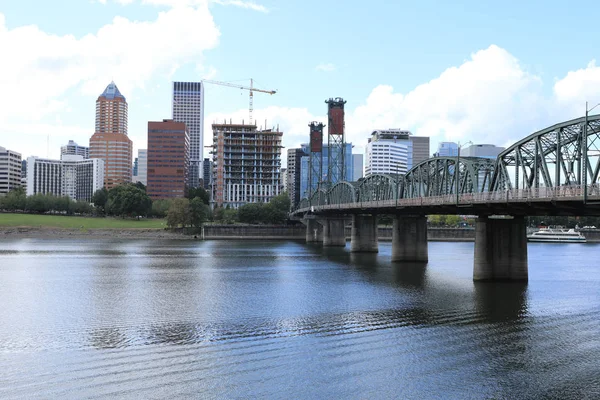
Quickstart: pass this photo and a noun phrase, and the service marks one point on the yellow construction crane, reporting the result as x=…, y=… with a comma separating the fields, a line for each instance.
x=251, y=88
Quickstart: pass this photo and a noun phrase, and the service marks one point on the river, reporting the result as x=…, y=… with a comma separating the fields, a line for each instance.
x=275, y=319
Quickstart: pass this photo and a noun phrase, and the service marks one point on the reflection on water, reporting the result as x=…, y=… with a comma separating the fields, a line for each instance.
x=280, y=319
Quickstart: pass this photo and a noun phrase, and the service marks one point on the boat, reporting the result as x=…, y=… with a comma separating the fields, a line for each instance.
x=556, y=235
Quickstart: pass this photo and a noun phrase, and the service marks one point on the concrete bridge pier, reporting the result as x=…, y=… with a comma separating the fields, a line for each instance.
x=500, y=249
x=364, y=234
x=409, y=238
x=314, y=231
x=333, y=232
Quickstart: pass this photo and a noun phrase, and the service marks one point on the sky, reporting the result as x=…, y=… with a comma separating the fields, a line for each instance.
x=480, y=71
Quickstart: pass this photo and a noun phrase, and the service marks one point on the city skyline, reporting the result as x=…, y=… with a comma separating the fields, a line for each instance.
x=478, y=81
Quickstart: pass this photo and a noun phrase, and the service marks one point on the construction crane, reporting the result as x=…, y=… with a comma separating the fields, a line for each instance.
x=251, y=88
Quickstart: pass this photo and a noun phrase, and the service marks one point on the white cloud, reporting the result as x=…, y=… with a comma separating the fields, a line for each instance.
x=243, y=4
x=489, y=98
x=250, y=5
x=46, y=69
x=328, y=67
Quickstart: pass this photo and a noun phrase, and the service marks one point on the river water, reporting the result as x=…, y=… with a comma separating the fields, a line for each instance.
x=250, y=319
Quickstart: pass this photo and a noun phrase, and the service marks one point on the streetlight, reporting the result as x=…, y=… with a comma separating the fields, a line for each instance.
x=457, y=169
x=585, y=155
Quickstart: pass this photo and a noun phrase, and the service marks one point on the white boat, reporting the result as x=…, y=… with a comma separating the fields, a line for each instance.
x=557, y=235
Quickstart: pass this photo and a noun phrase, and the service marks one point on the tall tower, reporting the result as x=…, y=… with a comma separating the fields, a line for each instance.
x=336, y=171
x=315, y=161
x=109, y=141
x=188, y=107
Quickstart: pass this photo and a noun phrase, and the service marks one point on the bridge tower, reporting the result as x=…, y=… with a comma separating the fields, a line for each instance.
x=315, y=159
x=336, y=168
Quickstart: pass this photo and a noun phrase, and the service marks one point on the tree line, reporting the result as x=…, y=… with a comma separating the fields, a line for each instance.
x=131, y=201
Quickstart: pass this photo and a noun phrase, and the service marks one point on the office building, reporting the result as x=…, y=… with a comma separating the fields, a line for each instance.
x=207, y=173
x=24, y=173
x=72, y=148
x=420, y=149
x=10, y=170
x=135, y=170
x=294, y=158
x=446, y=149
x=357, y=166
x=481, y=150
x=394, y=151
x=168, y=159
x=304, y=169
x=109, y=141
x=142, y=167
x=71, y=176
x=246, y=164
x=284, y=180
x=188, y=107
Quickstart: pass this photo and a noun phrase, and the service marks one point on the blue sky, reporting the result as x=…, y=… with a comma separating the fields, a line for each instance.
x=489, y=72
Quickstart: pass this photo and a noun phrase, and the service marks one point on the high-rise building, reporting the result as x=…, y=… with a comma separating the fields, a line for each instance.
x=142, y=167
x=284, y=179
x=206, y=173
x=72, y=148
x=481, y=150
x=357, y=166
x=135, y=169
x=420, y=149
x=446, y=149
x=10, y=170
x=396, y=151
x=304, y=169
x=109, y=141
x=294, y=158
x=71, y=176
x=246, y=164
x=188, y=107
x=388, y=152
x=24, y=173
x=168, y=159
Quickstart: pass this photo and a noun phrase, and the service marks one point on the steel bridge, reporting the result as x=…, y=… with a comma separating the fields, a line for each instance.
x=550, y=172
x=554, y=171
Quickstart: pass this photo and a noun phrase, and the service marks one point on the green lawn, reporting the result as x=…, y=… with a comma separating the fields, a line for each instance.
x=64, y=221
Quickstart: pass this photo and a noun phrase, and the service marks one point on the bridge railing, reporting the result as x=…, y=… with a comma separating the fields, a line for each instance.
x=574, y=192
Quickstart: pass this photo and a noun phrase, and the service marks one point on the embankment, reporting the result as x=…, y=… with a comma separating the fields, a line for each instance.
x=224, y=232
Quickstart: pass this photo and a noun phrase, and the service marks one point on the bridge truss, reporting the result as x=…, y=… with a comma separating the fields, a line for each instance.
x=562, y=158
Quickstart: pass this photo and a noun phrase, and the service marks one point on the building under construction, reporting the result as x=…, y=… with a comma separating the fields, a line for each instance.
x=246, y=164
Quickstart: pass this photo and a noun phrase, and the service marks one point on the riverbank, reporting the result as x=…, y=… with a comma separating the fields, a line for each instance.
x=26, y=232
x=227, y=232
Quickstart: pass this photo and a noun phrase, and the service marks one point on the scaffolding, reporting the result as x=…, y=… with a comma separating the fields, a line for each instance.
x=247, y=164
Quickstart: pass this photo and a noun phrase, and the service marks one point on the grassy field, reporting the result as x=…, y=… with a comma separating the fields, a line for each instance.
x=64, y=221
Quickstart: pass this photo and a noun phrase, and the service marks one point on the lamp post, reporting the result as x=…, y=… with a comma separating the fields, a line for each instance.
x=457, y=169
x=584, y=152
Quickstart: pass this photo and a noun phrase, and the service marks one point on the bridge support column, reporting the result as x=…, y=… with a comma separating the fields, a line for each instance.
x=333, y=232
x=500, y=249
x=314, y=231
x=409, y=238
x=364, y=234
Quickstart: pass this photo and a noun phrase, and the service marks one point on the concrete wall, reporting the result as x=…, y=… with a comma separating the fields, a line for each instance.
x=268, y=232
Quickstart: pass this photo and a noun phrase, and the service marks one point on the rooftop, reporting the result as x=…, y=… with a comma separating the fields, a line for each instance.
x=112, y=92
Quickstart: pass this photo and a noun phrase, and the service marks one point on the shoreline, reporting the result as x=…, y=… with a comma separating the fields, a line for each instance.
x=28, y=232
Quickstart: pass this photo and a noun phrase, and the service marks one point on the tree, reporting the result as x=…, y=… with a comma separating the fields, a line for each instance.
x=14, y=200
x=141, y=186
x=179, y=213
x=199, y=212
x=199, y=192
x=128, y=200
x=99, y=199
x=160, y=208
x=452, y=220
